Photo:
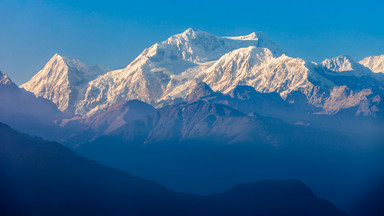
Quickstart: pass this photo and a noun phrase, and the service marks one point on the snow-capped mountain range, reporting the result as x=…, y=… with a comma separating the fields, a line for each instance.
x=344, y=65
x=169, y=71
x=375, y=63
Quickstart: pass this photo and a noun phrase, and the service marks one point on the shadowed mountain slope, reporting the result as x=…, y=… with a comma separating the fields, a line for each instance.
x=23, y=111
x=371, y=204
x=44, y=178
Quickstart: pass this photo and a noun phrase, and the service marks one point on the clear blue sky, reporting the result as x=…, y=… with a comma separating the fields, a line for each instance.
x=112, y=33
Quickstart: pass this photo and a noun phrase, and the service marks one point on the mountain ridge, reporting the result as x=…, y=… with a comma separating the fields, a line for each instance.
x=61, y=81
x=46, y=178
x=375, y=63
x=5, y=80
x=166, y=73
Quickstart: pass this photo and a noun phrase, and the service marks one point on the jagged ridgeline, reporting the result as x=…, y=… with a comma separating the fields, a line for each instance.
x=200, y=113
x=168, y=71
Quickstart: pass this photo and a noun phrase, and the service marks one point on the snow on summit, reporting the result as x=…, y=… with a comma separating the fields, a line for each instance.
x=61, y=80
x=166, y=70
x=170, y=70
x=375, y=63
x=345, y=65
x=251, y=36
x=196, y=46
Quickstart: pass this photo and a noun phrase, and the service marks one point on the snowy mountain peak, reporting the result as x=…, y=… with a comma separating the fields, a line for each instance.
x=187, y=66
x=62, y=80
x=345, y=65
x=69, y=62
x=375, y=63
x=167, y=69
x=5, y=80
x=339, y=64
x=258, y=39
x=57, y=56
x=196, y=46
x=256, y=67
x=252, y=36
x=193, y=33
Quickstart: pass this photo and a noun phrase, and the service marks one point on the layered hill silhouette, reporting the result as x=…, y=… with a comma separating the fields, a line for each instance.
x=197, y=113
x=204, y=146
x=44, y=178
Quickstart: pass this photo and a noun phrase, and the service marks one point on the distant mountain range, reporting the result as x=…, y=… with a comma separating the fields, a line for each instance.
x=200, y=113
x=375, y=63
x=168, y=71
x=38, y=177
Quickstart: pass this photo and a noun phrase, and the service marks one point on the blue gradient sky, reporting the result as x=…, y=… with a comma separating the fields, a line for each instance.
x=112, y=33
